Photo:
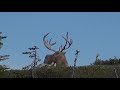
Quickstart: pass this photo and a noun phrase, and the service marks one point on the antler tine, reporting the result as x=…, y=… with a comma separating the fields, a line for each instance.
x=70, y=43
x=67, y=35
x=50, y=41
x=53, y=43
x=48, y=45
x=60, y=48
x=67, y=41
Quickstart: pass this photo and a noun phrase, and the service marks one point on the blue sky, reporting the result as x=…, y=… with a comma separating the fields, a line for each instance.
x=92, y=33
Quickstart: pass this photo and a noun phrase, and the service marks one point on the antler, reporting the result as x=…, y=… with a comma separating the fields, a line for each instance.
x=67, y=42
x=48, y=45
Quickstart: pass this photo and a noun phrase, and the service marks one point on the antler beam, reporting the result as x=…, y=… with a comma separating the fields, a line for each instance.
x=47, y=44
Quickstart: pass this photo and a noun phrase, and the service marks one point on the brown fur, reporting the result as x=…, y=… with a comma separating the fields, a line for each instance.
x=58, y=58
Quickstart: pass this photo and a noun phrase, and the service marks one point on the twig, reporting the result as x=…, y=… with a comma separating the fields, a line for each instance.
x=116, y=72
x=76, y=54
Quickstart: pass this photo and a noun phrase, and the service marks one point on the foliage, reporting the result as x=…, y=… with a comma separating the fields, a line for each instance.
x=3, y=69
x=92, y=71
x=111, y=61
x=58, y=72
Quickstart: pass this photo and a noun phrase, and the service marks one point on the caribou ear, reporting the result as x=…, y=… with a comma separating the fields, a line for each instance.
x=64, y=52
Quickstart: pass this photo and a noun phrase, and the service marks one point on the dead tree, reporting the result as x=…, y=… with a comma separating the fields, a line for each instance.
x=33, y=55
x=76, y=57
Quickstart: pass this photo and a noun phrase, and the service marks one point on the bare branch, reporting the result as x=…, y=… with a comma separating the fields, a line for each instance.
x=76, y=54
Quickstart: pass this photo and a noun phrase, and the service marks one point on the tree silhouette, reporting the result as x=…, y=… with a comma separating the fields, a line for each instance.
x=76, y=57
x=32, y=54
x=3, y=57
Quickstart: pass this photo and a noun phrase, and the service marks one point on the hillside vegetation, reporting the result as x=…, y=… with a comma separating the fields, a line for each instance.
x=92, y=71
x=99, y=69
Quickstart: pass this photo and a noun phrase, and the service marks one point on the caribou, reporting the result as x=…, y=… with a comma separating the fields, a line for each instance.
x=58, y=58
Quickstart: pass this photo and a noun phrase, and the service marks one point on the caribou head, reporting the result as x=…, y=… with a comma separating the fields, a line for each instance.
x=58, y=57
